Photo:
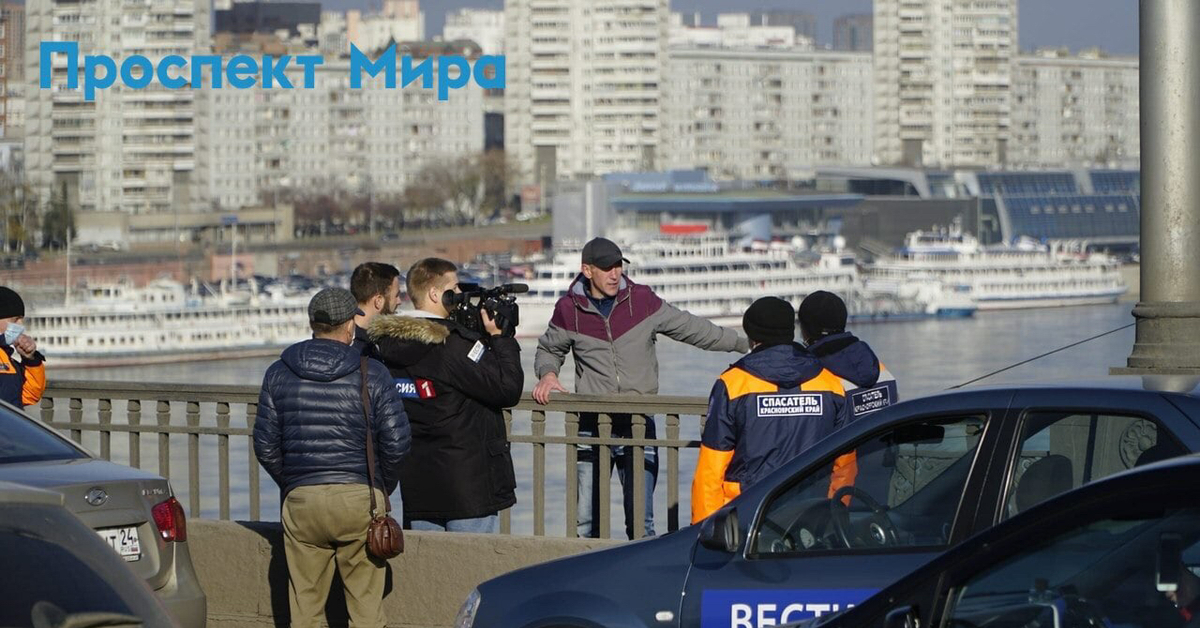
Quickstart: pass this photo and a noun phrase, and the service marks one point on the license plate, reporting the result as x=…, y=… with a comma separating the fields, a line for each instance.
x=124, y=541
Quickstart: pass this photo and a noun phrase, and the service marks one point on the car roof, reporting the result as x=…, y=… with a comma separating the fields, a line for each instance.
x=1181, y=384
x=17, y=494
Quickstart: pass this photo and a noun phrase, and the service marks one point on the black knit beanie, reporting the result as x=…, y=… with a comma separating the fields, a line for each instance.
x=10, y=303
x=822, y=313
x=769, y=321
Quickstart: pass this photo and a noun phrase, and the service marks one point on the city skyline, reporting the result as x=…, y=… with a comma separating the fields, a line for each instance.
x=1077, y=24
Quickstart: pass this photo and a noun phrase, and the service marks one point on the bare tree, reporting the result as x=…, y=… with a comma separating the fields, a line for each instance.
x=58, y=223
x=498, y=178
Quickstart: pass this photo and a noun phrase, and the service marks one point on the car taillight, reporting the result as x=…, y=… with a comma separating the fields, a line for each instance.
x=168, y=516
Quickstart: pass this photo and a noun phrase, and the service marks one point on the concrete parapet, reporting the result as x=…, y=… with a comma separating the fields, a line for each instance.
x=243, y=571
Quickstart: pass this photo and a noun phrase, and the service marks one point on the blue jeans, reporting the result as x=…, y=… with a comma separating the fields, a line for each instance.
x=588, y=475
x=487, y=524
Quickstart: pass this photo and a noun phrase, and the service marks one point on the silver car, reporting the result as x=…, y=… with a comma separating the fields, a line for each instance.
x=135, y=512
x=57, y=572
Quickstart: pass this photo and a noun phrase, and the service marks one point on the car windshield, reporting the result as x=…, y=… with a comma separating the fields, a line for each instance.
x=1104, y=573
x=24, y=440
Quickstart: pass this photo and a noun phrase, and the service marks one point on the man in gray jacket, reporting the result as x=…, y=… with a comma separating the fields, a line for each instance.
x=610, y=324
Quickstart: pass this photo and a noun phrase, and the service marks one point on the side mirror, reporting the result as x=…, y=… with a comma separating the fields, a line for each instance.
x=901, y=617
x=720, y=532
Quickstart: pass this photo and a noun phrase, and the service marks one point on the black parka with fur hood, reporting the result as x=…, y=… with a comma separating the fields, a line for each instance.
x=455, y=385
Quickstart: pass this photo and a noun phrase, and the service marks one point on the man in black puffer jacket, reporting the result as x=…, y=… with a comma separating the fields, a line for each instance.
x=455, y=384
x=311, y=437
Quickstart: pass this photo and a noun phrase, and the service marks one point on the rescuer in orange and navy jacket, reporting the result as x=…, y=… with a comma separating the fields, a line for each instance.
x=869, y=386
x=22, y=372
x=767, y=408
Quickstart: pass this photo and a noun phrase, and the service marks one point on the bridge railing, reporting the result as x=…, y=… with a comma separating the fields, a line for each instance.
x=200, y=437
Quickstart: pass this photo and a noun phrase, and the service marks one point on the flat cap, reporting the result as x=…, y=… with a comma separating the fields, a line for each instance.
x=332, y=306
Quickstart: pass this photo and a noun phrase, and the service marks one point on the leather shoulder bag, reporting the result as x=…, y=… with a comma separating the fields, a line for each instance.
x=385, y=538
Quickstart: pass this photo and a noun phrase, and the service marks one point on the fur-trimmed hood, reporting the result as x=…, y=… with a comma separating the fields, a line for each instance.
x=430, y=331
x=405, y=340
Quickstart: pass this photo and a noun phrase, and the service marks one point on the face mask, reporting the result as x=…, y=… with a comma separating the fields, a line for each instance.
x=12, y=332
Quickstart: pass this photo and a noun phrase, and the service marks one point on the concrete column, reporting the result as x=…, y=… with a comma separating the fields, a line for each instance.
x=1168, y=315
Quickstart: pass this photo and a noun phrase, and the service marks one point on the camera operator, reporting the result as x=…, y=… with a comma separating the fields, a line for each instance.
x=455, y=383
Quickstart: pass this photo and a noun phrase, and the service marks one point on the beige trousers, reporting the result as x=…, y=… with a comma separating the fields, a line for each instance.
x=325, y=526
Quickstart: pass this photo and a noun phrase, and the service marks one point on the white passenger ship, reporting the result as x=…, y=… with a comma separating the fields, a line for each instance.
x=119, y=324
x=1024, y=275
x=710, y=278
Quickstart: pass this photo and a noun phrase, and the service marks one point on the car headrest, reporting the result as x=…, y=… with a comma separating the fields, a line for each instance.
x=1161, y=450
x=1044, y=479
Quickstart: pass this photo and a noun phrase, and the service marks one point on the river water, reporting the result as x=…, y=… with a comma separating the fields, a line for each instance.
x=925, y=356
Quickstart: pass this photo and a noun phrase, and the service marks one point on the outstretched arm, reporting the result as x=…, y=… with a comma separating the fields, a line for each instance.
x=698, y=332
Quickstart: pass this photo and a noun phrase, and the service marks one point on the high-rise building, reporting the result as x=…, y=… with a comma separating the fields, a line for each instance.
x=295, y=20
x=12, y=68
x=734, y=30
x=332, y=39
x=12, y=16
x=804, y=23
x=131, y=150
x=943, y=81
x=1075, y=110
x=399, y=21
x=485, y=28
x=854, y=33
x=583, y=86
x=766, y=114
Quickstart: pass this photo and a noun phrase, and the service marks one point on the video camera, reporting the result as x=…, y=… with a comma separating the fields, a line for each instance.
x=501, y=305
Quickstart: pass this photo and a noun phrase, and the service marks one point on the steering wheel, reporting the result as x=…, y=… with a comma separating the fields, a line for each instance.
x=879, y=527
x=1083, y=612
x=804, y=530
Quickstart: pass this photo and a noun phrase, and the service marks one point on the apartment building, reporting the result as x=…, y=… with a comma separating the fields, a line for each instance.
x=943, y=81
x=130, y=150
x=766, y=114
x=1075, y=110
x=584, y=86
x=12, y=68
x=257, y=144
x=481, y=26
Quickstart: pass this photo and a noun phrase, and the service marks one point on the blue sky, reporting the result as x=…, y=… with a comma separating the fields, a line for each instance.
x=1109, y=24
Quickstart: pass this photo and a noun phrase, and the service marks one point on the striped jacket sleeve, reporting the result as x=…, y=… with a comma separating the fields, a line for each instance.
x=553, y=346
x=698, y=332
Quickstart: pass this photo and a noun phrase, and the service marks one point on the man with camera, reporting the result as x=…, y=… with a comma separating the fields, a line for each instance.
x=455, y=382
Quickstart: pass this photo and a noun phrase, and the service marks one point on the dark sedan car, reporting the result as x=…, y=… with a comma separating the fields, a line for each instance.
x=135, y=512
x=58, y=572
x=1124, y=551
x=930, y=473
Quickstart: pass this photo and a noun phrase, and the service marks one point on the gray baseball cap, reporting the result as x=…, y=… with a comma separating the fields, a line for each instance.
x=603, y=253
x=332, y=306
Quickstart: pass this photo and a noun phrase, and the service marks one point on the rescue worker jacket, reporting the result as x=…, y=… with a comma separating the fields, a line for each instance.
x=870, y=387
x=22, y=380
x=767, y=408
